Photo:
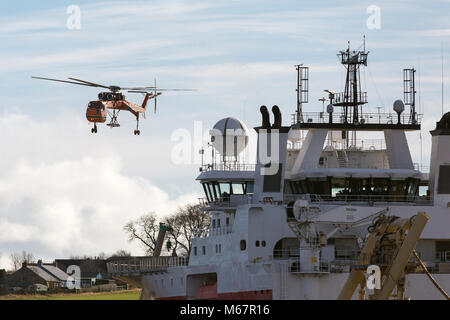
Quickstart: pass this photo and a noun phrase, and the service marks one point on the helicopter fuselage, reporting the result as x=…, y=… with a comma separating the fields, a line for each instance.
x=96, y=111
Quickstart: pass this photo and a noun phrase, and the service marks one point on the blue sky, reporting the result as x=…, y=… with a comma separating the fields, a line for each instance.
x=238, y=54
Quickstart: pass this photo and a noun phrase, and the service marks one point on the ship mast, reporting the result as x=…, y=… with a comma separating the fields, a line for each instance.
x=352, y=97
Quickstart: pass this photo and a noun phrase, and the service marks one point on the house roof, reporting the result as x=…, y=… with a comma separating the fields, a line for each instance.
x=56, y=272
x=42, y=273
x=88, y=267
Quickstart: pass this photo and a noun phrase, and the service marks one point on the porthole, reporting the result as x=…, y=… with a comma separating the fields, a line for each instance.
x=257, y=243
x=263, y=243
x=243, y=245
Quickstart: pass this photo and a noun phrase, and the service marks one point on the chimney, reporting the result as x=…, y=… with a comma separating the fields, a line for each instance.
x=271, y=156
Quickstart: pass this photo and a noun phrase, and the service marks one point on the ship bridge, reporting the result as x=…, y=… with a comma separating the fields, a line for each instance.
x=226, y=185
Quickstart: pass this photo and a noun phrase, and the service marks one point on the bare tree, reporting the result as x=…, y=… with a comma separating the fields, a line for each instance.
x=121, y=253
x=145, y=229
x=18, y=259
x=173, y=242
x=193, y=222
x=101, y=256
x=187, y=222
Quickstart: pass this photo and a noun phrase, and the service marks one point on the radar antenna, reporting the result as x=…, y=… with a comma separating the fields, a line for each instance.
x=302, y=89
x=409, y=92
x=352, y=97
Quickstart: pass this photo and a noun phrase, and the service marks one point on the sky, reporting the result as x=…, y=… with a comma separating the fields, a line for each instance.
x=65, y=191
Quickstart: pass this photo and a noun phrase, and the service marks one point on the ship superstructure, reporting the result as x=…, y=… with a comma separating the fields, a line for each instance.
x=292, y=226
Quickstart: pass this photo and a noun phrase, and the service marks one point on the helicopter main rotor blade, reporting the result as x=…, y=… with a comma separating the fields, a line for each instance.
x=136, y=88
x=90, y=83
x=120, y=88
x=162, y=89
x=71, y=82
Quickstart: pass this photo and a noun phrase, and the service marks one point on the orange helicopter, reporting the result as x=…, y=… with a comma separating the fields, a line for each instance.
x=98, y=110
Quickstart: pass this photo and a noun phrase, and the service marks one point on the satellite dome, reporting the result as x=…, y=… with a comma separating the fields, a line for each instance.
x=229, y=137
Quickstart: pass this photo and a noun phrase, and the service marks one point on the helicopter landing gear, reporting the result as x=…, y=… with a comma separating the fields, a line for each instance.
x=94, y=129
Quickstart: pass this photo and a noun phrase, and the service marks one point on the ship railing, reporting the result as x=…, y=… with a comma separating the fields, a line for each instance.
x=298, y=266
x=219, y=231
x=365, y=118
x=443, y=256
x=369, y=199
x=343, y=97
x=230, y=201
x=286, y=254
x=228, y=166
x=349, y=164
x=358, y=145
x=420, y=167
x=345, y=255
x=144, y=264
x=201, y=232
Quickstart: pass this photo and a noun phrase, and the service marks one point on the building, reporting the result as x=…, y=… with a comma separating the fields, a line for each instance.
x=39, y=273
x=3, y=284
x=93, y=271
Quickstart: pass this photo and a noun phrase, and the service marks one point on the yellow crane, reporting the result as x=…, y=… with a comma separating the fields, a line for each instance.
x=388, y=248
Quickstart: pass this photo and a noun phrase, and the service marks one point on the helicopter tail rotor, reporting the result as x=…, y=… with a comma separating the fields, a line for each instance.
x=156, y=95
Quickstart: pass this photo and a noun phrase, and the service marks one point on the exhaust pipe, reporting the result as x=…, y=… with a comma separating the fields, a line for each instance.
x=265, y=117
x=277, y=114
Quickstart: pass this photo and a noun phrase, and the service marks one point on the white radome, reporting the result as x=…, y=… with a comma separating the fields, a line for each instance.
x=229, y=137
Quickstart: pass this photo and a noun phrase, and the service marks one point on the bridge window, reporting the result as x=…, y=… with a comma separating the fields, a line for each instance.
x=207, y=192
x=218, y=223
x=243, y=245
x=227, y=221
x=225, y=187
x=214, y=223
x=249, y=188
x=203, y=250
x=238, y=188
x=444, y=181
x=215, y=190
x=195, y=251
x=333, y=187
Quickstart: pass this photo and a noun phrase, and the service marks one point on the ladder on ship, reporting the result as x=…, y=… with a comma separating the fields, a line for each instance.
x=284, y=268
x=294, y=225
x=342, y=158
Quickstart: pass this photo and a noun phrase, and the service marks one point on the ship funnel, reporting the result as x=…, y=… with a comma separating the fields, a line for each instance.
x=439, y=183
x=265, y=117
x=271, y=157
x=277, y=115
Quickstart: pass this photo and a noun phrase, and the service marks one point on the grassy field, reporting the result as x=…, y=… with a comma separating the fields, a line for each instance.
x=117, y=295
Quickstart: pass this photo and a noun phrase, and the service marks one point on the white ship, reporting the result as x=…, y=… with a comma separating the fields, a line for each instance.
x=298, y=232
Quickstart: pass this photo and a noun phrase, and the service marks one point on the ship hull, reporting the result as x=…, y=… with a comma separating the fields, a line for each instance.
x=302, y=287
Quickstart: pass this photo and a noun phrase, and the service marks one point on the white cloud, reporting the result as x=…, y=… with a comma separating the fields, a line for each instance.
x=59, y=196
